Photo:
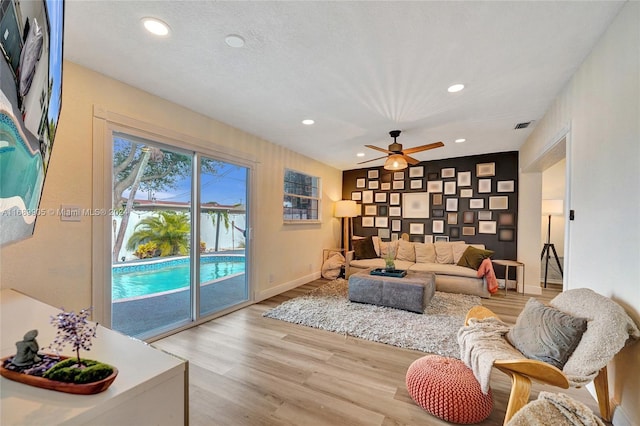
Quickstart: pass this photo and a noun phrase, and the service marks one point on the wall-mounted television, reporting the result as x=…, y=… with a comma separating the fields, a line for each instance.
x=31, y=35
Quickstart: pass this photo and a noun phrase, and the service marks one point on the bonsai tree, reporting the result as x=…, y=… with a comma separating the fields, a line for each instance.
x=74, y=329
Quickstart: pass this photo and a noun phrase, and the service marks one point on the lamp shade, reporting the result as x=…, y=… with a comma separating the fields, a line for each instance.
x=395, y=162
x=552, y=207
x=346, y=208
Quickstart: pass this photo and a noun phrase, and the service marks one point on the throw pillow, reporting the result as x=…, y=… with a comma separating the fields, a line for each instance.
x=546, y=334
x=425, y=253
x=363, y=249
x=386, y=246
x=332, y=267
x=444, y=251
x=406, y=251
x=473, y=257
x=458, y=250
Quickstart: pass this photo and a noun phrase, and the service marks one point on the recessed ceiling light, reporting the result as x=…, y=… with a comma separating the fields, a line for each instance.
x=234, y=40
x=460, y=140
x=308, y=122
x=455, y=88
x=360, y=154
x=155, y=26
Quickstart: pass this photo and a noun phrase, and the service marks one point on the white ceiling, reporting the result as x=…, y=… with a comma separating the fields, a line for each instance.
x=359, y=69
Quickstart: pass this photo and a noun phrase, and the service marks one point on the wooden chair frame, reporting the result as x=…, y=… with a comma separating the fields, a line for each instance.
x=522, y=371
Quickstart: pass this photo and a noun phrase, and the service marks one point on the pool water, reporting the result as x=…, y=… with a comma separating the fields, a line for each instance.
x=141, y=283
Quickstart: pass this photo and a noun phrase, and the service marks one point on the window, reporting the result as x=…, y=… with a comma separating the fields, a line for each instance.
x=301, y=197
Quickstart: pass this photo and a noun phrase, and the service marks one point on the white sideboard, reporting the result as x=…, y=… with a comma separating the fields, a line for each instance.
x=151, y=387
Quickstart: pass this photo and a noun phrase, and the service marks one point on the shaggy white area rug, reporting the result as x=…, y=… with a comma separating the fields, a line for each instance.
x=328, y=307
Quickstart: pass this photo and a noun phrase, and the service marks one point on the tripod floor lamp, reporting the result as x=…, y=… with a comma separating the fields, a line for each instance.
x=550, y=208
x=346, y=209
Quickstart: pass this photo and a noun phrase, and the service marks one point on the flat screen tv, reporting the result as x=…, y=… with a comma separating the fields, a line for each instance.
x=30, y=101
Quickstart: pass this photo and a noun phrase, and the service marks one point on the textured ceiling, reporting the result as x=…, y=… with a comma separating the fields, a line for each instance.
x=359, y=69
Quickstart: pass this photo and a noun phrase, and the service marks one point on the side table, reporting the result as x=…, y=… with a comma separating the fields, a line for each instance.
x=507, y=264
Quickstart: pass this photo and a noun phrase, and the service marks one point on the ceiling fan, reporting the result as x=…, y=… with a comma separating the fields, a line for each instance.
x=398, y=158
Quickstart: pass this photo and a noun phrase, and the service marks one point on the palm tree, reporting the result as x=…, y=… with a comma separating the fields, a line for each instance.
x=169, y=230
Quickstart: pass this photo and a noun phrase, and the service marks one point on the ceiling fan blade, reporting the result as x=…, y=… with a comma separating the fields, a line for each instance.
x=410, y=160
x=379, y=149
x=423, y=148
x=375, y=159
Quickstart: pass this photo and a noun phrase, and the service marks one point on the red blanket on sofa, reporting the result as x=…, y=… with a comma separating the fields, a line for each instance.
x=486, y=270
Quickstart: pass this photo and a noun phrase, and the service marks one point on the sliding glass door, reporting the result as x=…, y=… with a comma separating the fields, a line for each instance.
x=178, y=244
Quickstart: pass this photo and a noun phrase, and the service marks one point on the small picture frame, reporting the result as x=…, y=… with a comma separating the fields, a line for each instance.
x=367, y=221
x=367, y=197
x=374, y=184
x=361, y=183
x=380, y=197
x=385, y=186
x=383, y=211
x=485, y=169
x=506, y=219
x=398, y=175
x=499, y=203
x=415, y=205
x=416, y=228
x=464, y=179
x=416, y=184
x=466, y=193
x=371, y=210
x=428, y=239
x=382, y=222
x=506, y=234
x=476, y=203
x=438, y=213
x=441, y=239
x=468, y=230
x=437, y=199
x=449, y=172
x=396, y=225
x=394, y=198
x=506, y=186
x=373, y=174
x=434, y=186
x=452, y=218
x=468, y=217
x=356, y=196
x=398, y=184
x=484, y=215
x=438, y=226
x=384, y=234
x=395, y=211
x=433, y=176
x=454, y=232
x=484, y=186
x=487, y=227
x=450, y=188
x=452, y=205
x=416, y=172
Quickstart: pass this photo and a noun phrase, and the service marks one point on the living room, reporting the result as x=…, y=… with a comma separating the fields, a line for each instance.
x=595, y=114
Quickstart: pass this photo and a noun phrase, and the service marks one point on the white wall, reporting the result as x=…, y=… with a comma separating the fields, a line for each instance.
x=55, y=265
x=600, y=106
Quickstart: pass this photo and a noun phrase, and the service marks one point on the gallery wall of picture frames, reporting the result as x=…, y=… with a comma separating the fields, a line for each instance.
x=472, y=199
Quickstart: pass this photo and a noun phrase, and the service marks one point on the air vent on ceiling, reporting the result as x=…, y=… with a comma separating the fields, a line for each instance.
x=523, y=125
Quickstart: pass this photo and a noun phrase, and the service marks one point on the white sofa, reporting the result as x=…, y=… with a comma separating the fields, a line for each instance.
x=440, y=258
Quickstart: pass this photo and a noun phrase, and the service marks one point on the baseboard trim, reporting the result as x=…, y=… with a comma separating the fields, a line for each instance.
x=279, y=289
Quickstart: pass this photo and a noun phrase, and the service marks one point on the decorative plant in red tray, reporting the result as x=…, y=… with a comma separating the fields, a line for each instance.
x=66, y=374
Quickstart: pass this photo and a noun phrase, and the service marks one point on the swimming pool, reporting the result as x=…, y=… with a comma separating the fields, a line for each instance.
x=148, y=278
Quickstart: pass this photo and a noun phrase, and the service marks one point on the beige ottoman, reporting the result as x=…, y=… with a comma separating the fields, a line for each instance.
x=412, y=292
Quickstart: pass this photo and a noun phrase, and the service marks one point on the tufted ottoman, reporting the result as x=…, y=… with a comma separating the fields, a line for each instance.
x=447, y=388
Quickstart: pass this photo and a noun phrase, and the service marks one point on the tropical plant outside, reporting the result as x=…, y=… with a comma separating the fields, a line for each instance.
x=168, y=230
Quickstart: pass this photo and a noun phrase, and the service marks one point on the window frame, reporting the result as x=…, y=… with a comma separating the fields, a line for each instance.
x=317, y=198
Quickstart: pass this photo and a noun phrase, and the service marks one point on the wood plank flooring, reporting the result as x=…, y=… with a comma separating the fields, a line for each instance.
x=250, y=370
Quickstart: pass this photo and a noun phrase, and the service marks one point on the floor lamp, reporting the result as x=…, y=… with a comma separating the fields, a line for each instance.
x=346, y=209
x=550, y=208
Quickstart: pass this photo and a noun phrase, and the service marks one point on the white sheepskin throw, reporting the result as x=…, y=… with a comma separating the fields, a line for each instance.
x=332, y=266
x=608, y=329
x=555, y=409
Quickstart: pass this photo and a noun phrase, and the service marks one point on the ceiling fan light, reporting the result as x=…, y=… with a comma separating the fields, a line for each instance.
x=395, y=162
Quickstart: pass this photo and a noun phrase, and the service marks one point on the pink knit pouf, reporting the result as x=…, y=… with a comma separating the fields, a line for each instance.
x=447, y=388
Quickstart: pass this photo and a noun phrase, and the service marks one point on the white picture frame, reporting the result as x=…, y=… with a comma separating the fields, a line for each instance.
x=499, y=202
x=506, y=186
x=394, y=198
x=451, y=205
x=484, y=186
x=466, y=193
x=382, y=222
x=416, y=184
x=450, y=188
x=370, y=210
x=437, y=226
x=484, y=215
x=367, y=197
x=415, y=172
x=415, y=205
x=416, y=228
x=442, y=238
x=395, y=211
x=373, y=174
x=452, y=218
x=356, y=196
x=367, y=221
x=398, y=184
x=487, y=227
x=434, y=186
x=485, y=169
x=396, y=225
x=374, y=184
x=398, y=175
x=361, y=183
x=476, y=203
x=384, y=233
x=428, y=239
x=385, y=186
x=464, y=179
x=380, y=197
x=449, y=172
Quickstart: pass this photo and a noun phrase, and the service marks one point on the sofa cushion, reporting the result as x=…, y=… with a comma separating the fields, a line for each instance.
x=379, y=263
x=363, y=249
x=425, y=253
x=458, y=251
x=385, y=246
x=444, y=251
x=473, y=257
x=546, y=333
x=406, y=251
x=445, y=269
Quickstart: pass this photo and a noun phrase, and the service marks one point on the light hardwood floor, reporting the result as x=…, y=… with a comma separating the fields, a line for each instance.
x=250, y=370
